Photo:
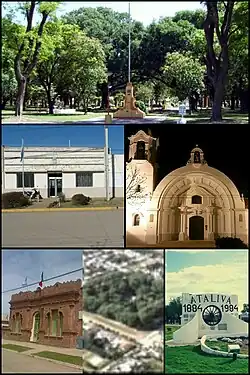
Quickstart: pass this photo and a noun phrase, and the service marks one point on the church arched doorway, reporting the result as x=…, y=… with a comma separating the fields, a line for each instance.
x=196, y=228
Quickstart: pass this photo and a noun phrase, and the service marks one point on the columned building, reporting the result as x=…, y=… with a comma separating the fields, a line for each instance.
x=47, y=316
x=194, y=202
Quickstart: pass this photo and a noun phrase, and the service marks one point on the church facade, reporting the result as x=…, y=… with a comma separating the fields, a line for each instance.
x=193, y=202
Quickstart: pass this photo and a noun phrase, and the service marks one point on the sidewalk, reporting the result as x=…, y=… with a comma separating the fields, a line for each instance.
x=36, y=348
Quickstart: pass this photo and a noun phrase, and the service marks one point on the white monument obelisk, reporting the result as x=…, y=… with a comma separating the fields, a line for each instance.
x=129, y=110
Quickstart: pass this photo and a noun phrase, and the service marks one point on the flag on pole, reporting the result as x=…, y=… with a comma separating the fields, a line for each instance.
x=25, y=282
x=22, y=152
x=41, y=282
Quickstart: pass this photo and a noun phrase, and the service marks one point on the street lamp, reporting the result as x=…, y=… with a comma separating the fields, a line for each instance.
x=108, y=117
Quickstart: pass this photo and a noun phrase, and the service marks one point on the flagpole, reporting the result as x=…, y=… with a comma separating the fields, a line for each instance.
x=129, y=44
x=23, y=164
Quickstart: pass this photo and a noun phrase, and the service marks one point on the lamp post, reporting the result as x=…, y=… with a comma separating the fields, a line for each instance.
x=108, y=117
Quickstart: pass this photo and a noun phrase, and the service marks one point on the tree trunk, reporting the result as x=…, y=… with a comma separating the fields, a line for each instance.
x=104, y=90
x=232, y=102
x=50, y=102
x=20, y=96
x=217, y=103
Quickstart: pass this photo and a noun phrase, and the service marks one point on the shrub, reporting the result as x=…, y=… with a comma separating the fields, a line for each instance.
x=62, y=197
x=230, y=243
x=14, y=199
x=80, y=200
x=141, y=105
x=53, y=204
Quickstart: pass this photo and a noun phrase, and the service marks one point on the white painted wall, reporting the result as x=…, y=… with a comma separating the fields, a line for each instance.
x=41, y=160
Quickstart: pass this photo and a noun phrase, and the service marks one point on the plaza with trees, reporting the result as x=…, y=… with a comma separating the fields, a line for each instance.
x=79, y=60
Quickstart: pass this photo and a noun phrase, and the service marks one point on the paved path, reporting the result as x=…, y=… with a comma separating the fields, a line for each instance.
x=13, y=362
x=63, y=229
x=92, y=121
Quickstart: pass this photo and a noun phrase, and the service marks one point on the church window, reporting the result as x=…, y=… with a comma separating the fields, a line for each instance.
x=240, y=217
x=151, y=218
x=196, y=199
x=197, y=157
x=136, y=220
x=138, y=189
x=140, y=151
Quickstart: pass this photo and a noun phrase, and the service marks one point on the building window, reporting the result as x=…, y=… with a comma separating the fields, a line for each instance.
x=48, y=323
x=138, y=189
x=196, y=199
x=140, y=151
x=151, y=218
x=28, y=180
x=84, y=179
x=60, y=324
x=136, y=220
x=17, y=323
x=54, y=323
x=240, y=217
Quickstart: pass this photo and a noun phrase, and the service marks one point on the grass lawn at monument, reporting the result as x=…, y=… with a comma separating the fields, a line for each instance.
x=169, y=330
x=190, y=359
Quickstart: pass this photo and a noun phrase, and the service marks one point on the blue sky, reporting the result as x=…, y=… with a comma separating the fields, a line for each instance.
x=59, y=135
x=204, y=271
x=144, y=12
x=18, y=264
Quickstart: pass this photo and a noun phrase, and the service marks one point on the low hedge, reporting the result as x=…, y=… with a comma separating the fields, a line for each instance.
x=14, y=199
x=80, y=200
x=230, y=243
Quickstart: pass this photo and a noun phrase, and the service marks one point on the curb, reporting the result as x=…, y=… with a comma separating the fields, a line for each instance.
x=57, y=362
x=60, y=209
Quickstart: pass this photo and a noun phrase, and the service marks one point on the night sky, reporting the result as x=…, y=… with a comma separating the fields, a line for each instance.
x=225, y=147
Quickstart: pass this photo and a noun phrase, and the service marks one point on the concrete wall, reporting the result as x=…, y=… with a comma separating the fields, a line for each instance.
x=187, y=333
x=217, y=353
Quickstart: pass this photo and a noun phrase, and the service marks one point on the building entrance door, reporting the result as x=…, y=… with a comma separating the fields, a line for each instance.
x=55, y=185
x=196, y=228
x=36, y=327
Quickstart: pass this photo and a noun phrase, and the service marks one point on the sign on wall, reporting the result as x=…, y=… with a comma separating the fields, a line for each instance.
x=211, y=305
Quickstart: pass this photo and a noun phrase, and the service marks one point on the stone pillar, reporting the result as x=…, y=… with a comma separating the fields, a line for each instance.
x=210, y=230
x=182, y=228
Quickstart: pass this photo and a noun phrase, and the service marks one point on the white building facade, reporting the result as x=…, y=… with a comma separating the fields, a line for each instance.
x=194, y=202
x=68, y=170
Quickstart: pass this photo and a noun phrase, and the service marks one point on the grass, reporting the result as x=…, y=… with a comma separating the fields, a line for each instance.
x=16, y=348
x=97, y=202
x=74, y=360
x=203, y=117
x=190, y=359
x=35, y=116
x=169, y=331
x=223, y=346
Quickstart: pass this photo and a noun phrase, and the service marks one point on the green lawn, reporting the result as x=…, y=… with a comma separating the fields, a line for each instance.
x=190, y=359
x=98, y=202
x=33, y=116
x=169, y=331
x=204, y=117
x=16, y=348
x=75, y=360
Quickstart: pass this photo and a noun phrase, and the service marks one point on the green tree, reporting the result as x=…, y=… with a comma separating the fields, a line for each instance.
x=29, y=48
x=185, y=75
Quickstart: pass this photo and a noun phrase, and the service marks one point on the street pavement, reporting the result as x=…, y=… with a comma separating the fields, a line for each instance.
x=63, y=229
x=13, y=362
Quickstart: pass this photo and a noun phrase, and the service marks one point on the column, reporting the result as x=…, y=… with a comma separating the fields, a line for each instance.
x=182, y=229
x=210, y=233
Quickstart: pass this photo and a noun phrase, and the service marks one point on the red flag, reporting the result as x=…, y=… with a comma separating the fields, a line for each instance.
x=41, y=282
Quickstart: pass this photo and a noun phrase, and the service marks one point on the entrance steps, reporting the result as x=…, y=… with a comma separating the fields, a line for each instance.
x=195, y=244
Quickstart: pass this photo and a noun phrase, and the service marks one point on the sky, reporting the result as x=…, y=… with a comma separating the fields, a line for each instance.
x=59, y=135
x=207, y=271
x=19, y=264
x=225, y=148
x=152, y=10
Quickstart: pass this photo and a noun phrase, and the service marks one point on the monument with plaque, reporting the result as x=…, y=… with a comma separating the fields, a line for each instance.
x=212, y=314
